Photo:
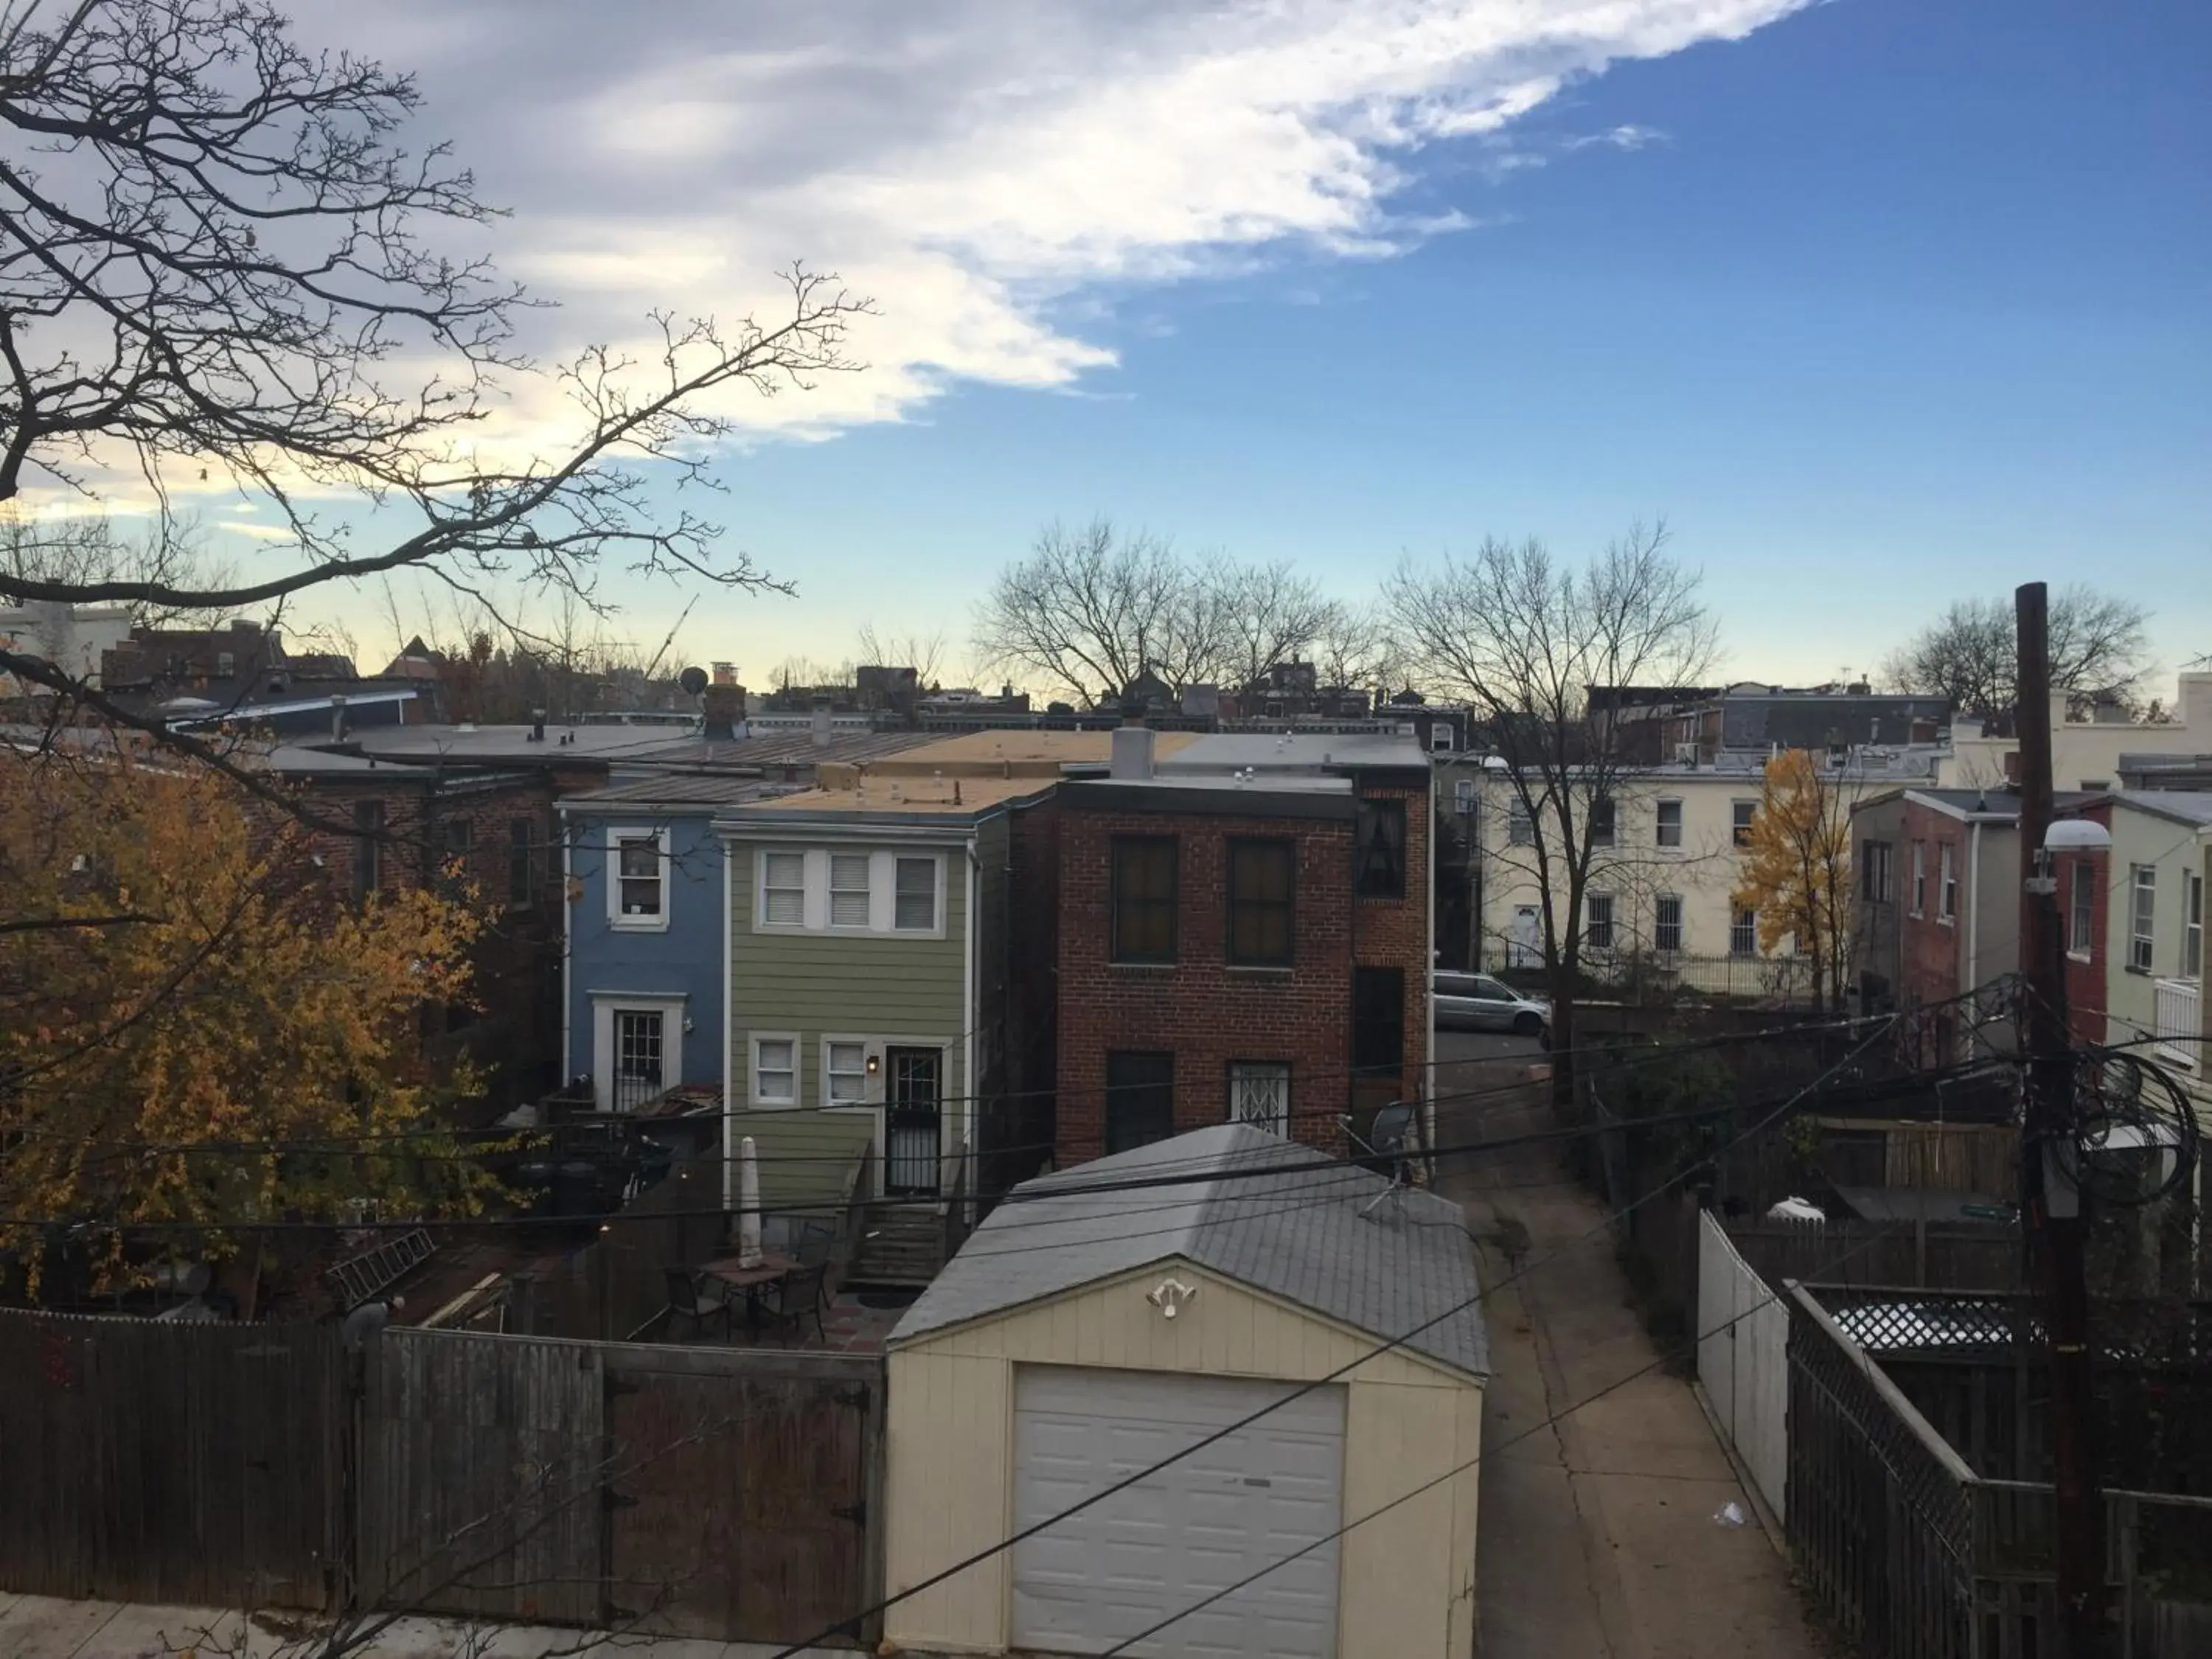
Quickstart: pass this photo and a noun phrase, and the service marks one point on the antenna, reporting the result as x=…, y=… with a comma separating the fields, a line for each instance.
x=1393, y=1137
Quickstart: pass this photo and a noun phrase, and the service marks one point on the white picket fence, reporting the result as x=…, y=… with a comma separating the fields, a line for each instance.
x=1743, y=1362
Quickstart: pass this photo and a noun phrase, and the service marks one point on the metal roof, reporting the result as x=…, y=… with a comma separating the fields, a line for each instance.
x=1270, y=1213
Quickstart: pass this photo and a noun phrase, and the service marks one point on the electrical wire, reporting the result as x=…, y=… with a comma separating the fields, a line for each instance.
x=1883, y=1024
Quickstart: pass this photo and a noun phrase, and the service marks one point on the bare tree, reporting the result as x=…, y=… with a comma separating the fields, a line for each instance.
x=1357, y=648
x=925, y=653
x=1527, y=640
x=82, y=549
x=2099, y=649
x=219, y=269
x=1090, y=609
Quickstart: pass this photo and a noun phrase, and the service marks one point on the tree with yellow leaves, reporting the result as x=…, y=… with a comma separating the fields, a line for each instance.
x=196, y=1035
x=1796, y=869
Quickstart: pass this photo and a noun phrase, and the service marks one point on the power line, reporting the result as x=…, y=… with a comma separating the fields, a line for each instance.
x=977, y=1558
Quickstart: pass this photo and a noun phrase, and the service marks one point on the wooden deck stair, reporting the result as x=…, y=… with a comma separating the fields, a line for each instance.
x=900, y=1244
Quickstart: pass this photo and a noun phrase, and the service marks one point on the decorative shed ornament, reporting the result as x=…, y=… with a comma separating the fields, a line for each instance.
x=1169, y=1295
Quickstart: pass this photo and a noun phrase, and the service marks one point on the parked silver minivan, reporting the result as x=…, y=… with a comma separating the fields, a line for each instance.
x=1476, y=1002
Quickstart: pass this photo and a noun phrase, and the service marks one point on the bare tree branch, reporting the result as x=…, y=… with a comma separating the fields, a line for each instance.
x=2099, y=649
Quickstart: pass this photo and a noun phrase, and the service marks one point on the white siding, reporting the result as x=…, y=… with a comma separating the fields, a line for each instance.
x=1743, y=1363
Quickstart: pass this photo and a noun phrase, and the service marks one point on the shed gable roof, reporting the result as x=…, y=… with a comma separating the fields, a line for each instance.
x=1279, y=1216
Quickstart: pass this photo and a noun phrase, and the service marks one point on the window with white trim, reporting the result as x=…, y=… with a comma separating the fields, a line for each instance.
x=844, y=1074
x=1669, y=819
x=1666, y=922
x=1743, y=931
x=1520, y=823
x=1919, y=878
x=848, y=890
x=1946, y=881
x=2193, y=925
x=637, y=890
x=1463, y=797
x=2083, y=941
x=915, y=898
x=1597, y=920
x=2142, y=917
x=775, y=1071
x=783, y=889
x=1741, y=813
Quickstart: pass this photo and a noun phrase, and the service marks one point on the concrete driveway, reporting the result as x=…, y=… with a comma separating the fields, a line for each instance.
x=1597, y=1540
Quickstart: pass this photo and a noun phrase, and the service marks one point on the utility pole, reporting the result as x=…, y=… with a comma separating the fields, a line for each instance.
x=2051, y=1203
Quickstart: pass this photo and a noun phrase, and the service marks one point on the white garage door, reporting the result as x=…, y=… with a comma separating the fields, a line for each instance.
x=1250, y=1498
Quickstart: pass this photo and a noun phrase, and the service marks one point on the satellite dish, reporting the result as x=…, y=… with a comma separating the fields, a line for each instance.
x=693, y=680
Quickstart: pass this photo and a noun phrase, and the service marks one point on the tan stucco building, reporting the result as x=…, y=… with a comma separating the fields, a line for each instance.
x=1221, y=1294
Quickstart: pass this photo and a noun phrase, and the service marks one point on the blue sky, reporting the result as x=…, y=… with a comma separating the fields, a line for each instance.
x=1881, y=304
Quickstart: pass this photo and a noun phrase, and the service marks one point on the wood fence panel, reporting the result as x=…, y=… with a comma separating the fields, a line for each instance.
x=146, y=1460
x=741, y=1486
x=479, y=1476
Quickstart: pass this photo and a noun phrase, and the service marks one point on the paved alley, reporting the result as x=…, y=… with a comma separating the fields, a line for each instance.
x=1597, y=1537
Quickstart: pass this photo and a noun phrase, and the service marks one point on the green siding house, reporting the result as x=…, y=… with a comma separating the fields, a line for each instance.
x=868, y=935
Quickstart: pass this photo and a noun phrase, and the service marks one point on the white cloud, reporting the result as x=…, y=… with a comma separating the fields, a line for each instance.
x=976, y=166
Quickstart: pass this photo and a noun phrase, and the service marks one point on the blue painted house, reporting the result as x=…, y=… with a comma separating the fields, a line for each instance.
x=642, y=984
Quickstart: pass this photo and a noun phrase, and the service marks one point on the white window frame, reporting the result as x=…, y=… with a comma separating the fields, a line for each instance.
x=1743, y=929
x=1591, y=902
x=870, y=1051
x=1463, y=797
x=1946, y=884
x=2193, y=925
x=1659, y=824
x=773, y=1103
x=1919, y=878
x=865, y=891
x=2082, y=911
x=670, y=1005
x=1520, y=823
x=1659, y=923
x=617, y=917
x=1739, y=834
x=815, y=867
x=2142, y=917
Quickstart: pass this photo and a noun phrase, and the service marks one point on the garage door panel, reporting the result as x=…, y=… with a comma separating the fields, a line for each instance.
x=1256, y=1497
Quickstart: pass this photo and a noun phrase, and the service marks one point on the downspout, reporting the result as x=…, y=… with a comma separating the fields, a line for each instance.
x=968, y=1081
x=1973, y=916
x=1428, y=976
x=567, y=954
x=729, y=992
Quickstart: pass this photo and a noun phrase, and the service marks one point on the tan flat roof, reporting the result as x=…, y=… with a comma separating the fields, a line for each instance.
x=870, y=793
x=1043, y=753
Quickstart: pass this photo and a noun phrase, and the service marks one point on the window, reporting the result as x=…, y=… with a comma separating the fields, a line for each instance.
x=2143, y=923
x=1743, y=931
x=1440, y=737
x=2192, y=926
x=1919, y=878
x=638, y=1076
x=1144, y=898
x=844, y=1074
x=1670, y=824
x=1947, y=880
x=1262, y=878
x=521, y=864
x=1876, y=879
x=225, y=664
x=1520, y=823
x=848, y=890
x=2082, y=935
x=367, y=847
x=1463, y=797
x=783, y=889
x=1741, y=813
x=640, y=893
x=775, y=1071
x=1666, y=922
x=1597, y=920
x=914, y=896
x=1378, y=1021
x=1378, y=850
x=1139, y=1099
x=1603, y=817
x=1260, y=1092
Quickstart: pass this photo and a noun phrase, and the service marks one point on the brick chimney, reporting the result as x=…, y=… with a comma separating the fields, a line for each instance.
x=722, y=705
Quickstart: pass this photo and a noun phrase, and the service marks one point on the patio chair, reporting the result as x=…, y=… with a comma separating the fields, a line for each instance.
x=689, y=1299
x=799, y=1297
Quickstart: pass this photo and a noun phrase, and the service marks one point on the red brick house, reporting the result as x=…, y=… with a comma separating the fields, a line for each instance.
x=1243, y=932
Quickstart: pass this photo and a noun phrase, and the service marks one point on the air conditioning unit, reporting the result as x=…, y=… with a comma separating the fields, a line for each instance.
x=1685, y=754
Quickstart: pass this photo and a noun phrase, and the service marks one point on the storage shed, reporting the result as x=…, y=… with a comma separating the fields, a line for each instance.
x=1108, y=1317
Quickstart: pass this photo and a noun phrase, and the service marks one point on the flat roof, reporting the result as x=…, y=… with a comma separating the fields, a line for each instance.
x=1048, y=750
x=904, y=797
x=1229, y=751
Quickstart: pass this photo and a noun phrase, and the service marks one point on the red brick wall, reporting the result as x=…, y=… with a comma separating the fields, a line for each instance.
x=1933, y=950
x=1395, y=932
x=1204, y=1011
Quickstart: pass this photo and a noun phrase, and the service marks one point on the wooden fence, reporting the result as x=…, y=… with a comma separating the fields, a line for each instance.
x=1935, y=1255
x=726, y=1493
x=145, y=1461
